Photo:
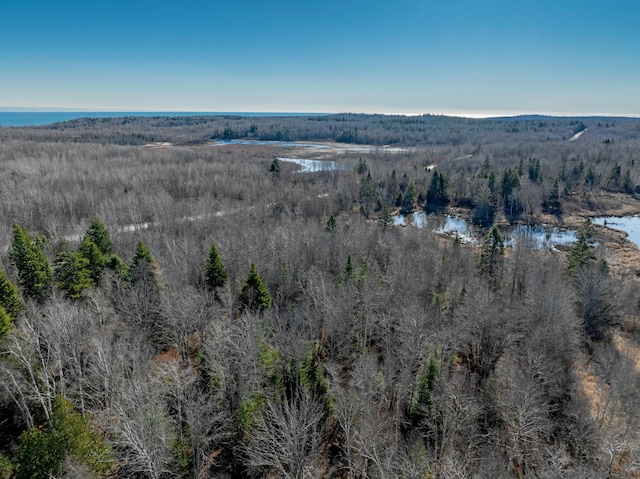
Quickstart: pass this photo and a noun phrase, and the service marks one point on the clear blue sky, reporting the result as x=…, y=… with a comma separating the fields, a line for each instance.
x=447, y=56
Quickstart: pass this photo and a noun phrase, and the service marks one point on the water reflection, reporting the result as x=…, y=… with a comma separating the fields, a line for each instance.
x=539, y=237
x=628, y=224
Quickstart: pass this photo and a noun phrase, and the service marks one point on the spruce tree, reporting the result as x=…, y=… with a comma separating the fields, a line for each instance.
x=254, y=294
x=99, y=234
x=215, y=274
x=96, y=260
x=491, y=253
x=143, y=264
x=34, y=272
x=580, y=253
x=9, y=298
x=72, y=274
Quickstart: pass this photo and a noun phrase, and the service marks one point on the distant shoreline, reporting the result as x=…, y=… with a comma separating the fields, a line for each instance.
x=39, y=118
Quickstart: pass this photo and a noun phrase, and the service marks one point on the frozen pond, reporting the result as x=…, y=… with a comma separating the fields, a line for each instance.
x=628, y=224
x=293, y=144
x=289, y=144
x=539, y=237
x=312, y=166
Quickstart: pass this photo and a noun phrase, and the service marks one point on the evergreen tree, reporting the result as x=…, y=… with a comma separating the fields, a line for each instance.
x=437, y=195
x=42, y=450
x=275, y=168
x=5, y=323
x=143, y=265
x=332, y=224
x=72, y=274
x=97, y=261
x=215, y=274
x=385, y=216
x=349, y=269
x=367, y=194
x=98, y=233
x=123, y=273
x=254, y=295
x=580, y=254
x=409, y=197
x=491, y=253
x=34, y=272
x=9, y=298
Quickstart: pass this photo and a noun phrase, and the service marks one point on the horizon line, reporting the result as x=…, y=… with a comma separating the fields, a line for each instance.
x=457, y=114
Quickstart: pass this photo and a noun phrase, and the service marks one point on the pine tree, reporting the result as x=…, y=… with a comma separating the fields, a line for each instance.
x=97, y=261
x=9, y=298
x=254, y=294
x=98, y=233
x=215, y=274
x=34, y=272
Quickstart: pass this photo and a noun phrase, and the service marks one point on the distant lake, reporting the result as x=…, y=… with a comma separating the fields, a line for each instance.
x=37, y=118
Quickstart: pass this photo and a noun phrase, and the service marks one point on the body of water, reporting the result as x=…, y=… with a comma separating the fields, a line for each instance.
x=288, y=144
x=540, y=237
x=37, y=118
x=312, y=166
x=628, y=224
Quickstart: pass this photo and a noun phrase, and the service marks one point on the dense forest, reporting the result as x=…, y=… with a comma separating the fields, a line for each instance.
x=174, y=303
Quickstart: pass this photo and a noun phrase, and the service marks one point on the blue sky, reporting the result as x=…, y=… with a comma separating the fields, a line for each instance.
x=473, y=57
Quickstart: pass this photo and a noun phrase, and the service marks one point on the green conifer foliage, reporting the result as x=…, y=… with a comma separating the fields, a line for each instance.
x=97, y=261
x=332, y=224
x=143, y=265
x=34, y=272
x=349, y=269
x=9, y=298
x=385, y=216
x=491, y=253
x=580, y=253
x=141, y=254
x=99, y=234
x=215, y=274
x=5, y=323
x=255, y=295
x=68, y=433
x=120, y=268
x=72, y=274
x=275, y=168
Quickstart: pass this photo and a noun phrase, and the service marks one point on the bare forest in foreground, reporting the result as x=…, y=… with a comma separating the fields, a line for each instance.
x=177, y=299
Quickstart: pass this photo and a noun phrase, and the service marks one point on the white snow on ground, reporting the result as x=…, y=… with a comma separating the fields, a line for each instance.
x=577, y=135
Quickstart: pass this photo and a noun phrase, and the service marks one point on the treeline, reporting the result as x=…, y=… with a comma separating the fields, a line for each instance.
x=348, y=128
